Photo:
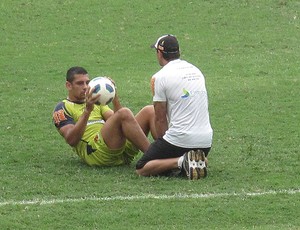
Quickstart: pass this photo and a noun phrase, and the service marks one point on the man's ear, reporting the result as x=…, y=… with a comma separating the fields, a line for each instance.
x=68, y=85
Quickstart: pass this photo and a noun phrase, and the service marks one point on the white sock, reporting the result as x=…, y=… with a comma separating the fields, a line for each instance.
x=180, y=161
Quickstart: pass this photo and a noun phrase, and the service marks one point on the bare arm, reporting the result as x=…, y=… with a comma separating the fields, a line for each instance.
x=161, y=122
x=74, y=132
x=116, y=103
x=116, y=106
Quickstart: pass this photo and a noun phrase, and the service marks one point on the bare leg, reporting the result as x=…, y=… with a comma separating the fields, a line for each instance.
x=121, y=126
x=145, y=118
x=158, y=166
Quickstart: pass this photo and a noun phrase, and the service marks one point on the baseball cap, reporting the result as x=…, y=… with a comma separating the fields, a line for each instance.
x=167, y=44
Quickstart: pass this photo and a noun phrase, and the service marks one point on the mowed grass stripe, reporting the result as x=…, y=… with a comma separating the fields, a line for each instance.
x=149, y=196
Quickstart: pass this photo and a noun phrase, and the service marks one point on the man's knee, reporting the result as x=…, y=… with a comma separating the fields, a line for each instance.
x=148, y=110
x=125, y=114
x=139, y=172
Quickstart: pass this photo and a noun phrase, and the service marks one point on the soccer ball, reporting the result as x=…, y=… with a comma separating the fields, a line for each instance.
x=104, y=87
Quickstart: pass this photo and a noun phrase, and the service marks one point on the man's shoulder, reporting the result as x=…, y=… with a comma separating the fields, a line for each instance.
x=61, y=115
x=59, y=105
x=62, y=104
x=186, y=66
x=176, y=64
x=68, y=107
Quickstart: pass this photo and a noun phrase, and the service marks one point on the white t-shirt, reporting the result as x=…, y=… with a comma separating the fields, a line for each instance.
x=182, y=86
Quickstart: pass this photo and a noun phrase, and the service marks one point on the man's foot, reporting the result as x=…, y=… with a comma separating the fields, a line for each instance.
x=194, y=164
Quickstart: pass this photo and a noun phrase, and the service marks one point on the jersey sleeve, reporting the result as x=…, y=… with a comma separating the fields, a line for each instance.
x=158, y=89
x=61, y=117
x=104, y=108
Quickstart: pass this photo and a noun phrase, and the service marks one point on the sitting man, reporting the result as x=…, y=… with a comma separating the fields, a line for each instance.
x=99, y=135
x=181, y=116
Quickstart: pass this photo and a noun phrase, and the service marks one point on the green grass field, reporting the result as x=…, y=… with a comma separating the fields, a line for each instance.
x=249, y=52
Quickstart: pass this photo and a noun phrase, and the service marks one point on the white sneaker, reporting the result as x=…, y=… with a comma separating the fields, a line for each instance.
x=194, y=164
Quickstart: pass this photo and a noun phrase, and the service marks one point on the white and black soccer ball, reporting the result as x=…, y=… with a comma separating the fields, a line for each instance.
x=104, y=87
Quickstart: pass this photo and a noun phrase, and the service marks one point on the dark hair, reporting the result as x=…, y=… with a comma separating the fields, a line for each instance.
x=171, y=56
x=74, y=70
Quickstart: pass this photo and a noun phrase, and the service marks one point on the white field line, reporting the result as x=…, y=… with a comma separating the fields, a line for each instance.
x=147, y=197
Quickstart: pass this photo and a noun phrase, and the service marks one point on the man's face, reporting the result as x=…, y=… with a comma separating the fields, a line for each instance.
x=78, y=88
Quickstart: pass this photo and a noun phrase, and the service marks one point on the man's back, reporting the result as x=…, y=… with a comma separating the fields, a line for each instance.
x=182, y=86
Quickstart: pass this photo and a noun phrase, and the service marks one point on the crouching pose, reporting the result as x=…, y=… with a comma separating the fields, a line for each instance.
x=181, y=117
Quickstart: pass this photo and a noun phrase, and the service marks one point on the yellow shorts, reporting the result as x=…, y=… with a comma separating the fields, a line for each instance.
x=101, y=155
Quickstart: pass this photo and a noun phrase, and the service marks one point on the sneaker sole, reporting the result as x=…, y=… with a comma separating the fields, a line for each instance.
x=197, y=165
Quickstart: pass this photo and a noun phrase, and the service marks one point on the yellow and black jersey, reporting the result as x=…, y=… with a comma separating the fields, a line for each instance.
x=68, y=112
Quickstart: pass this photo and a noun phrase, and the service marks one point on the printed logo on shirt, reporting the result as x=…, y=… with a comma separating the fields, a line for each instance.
x=187, y=94
x=59, y=116
x=95, y=122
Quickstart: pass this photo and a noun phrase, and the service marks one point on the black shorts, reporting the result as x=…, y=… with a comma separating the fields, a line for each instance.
x=161, y=149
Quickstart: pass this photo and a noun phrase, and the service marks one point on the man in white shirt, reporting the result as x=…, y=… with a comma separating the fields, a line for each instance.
x=181, y=116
